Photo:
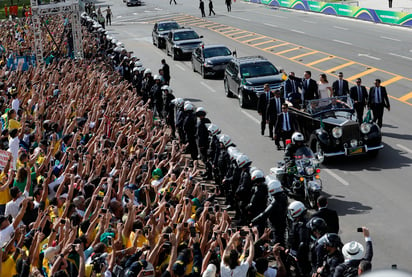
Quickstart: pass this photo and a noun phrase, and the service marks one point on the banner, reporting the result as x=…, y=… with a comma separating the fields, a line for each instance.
x=4, y=157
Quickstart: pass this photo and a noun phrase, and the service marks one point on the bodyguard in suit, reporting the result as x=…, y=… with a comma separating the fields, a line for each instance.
x=262, y=104
x=291, y=90
x=286, y=125
x=273, y=109
x=378, y=100
x=330, y=216
x=340, y=87
x=309, y=87
x=359, y=96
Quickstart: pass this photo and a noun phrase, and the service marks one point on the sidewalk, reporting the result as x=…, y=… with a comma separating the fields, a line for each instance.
x=397, y=5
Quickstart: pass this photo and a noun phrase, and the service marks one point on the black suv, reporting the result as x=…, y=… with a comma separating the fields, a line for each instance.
x=245, y=77
x=181, y=42
x=161, y=30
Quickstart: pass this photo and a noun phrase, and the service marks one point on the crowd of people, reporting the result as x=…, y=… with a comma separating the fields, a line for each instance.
x=106, y=172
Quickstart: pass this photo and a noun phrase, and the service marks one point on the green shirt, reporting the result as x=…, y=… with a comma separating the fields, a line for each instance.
x=22, y=185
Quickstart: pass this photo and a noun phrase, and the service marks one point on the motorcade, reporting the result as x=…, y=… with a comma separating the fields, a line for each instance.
x=211, y=59
x=245, y=77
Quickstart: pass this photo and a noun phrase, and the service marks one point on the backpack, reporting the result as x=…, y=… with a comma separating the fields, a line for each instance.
x=349, y=271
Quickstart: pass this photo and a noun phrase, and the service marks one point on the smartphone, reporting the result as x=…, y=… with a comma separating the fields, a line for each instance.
x=243, y=233
x=192, y=230
x=360, y=229
x=63, y=221
x=166, y=236
x=185, y=224
x=109, y=241
x=104, y=210
x=187, y=200
x=229, y=232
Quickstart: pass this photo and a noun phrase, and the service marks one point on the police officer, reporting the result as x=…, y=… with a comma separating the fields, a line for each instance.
x=259, y=198
x=332, y=244
x=156, y=97
x=298, y=238
x=180, y=118
x=169, y=108
x=318, y=228
x=189, y=127
x=222, y=161
x=213, y=147
x=202, y=133
x=276, y=211
x=243, y=192
x=231, y=180
x=147, y=84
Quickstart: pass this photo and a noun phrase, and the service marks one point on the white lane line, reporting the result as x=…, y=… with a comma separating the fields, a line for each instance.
x=340, y=28
x=308, y=21
x=207, y=86
x=297, y=31
x=400, y=56
x=369, y=56
x=275, y=26
x=343, y=42
x=336, y=176
x=404, y=148
x=237, y=17
x=388, y=38
x=251, y=116
x=179, y=66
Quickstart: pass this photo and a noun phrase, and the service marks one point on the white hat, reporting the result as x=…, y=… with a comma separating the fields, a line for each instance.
x=50, y=252
x=353, y=250
x=210, y=271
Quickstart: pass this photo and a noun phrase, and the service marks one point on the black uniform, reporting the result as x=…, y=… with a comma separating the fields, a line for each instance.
x=330, y=262
x=180, y=119
x=147, y=84
x=189, y=126
x=243, y=193
x=258, y=204
x=298, y=242
x=203, y=137
x=169, y=111
x=156, y=95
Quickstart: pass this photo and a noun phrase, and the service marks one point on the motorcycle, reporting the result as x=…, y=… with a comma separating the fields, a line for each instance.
x=300, y=177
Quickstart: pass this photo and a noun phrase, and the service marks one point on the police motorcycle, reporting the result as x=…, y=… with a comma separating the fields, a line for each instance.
x=300, y=177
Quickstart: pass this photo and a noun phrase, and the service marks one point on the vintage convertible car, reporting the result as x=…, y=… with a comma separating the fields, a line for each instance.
x=331, y=128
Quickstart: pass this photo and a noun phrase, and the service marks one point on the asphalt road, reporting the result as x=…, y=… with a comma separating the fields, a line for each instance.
x=374, y=193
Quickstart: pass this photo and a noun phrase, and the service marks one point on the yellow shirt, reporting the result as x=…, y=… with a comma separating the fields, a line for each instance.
x=8, y=267
x=14, y=124
x=5, y=194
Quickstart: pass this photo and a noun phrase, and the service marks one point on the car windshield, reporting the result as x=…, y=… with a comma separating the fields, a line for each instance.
x=167, y=26
x=258, y=69
x=303, y=153
x=336, y=105
x=216, y=52
x=185, y=35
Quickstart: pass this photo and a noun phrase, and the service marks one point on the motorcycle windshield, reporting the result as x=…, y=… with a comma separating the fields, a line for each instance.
x=303, y=153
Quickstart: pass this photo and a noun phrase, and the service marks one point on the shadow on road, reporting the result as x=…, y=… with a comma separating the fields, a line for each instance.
x=344, y=207
x=388, y=158
x=398, y=136
x=193, y=100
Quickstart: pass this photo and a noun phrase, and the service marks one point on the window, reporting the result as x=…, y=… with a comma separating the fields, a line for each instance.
x=258, y=69
x=216, y=52
x=168, y=26
x=185, y=35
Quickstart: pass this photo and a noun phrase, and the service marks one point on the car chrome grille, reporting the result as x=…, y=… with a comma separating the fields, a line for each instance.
x=350, y=132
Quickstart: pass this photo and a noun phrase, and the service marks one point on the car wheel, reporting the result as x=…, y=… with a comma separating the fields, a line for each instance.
x=154, y=43
x=242, y=100
x=311, y=199
x=173, y=54
x=193, y=66
x=227, y=90
x=202, y=72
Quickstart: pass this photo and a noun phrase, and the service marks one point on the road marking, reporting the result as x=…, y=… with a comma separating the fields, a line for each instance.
x=400, y=56
x=297, y=31
x=119, y=16
x=369, y=56
x=340, y=66
x=340, y=28
x=406, y=97
x=288, y=50
x=308, y=21
x=263, y=42
x=275, y=26
x=252, y=39
x=321, y=60
x=390, y=81
x=251, y=116
x=207, y=86
x=237, y=17
x=135, y=13
x=303, y=55
x=274, y=46
x=343, y=42
x=179, y=66
x=363, y=73
x=158, y=9
x=336, y=176
x=388, y=38
x=404, y=148
x=237, y=32
x=244, y=36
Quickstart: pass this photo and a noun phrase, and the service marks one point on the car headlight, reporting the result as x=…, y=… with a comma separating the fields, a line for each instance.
x=310, y=170
x=337, y=132
x=354, y=143
x=176, y=46
x=365, y=128
x=246, y=87
x=208, y=64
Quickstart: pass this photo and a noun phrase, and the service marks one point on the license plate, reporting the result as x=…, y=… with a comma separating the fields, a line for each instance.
x=355, y=151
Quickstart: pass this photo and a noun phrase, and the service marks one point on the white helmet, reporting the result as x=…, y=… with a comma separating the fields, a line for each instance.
x=147, y=71
x=114, y=41
x=257, y=176
x=178, y=102
x=274, y=186
x=243, y=161
x=213, y=129
x=166, y=87
x=157, y=77
x=252, y=168
x=233, y=153
x=109, y=37
x=120, y=44
x=200, y=111
x=225, y=140
x=138, y=64
x=296, y=209
x=117, y=49
x=297, y=137
x=188, y=107
x=188, y=102
x=141, y=69
x=135, y=69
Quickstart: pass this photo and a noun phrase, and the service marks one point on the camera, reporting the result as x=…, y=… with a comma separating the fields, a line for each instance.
x=243, y=233
x=98, y=261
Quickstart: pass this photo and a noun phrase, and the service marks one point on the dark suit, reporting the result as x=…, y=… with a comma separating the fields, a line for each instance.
x=291, y=89
x=166, y=73
x=280, y=132
x=331, y=218
x=361, y=103
x=345, y=88
x=377, y=107
x=272, y=112
x=262, y=104
x=309, y=91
